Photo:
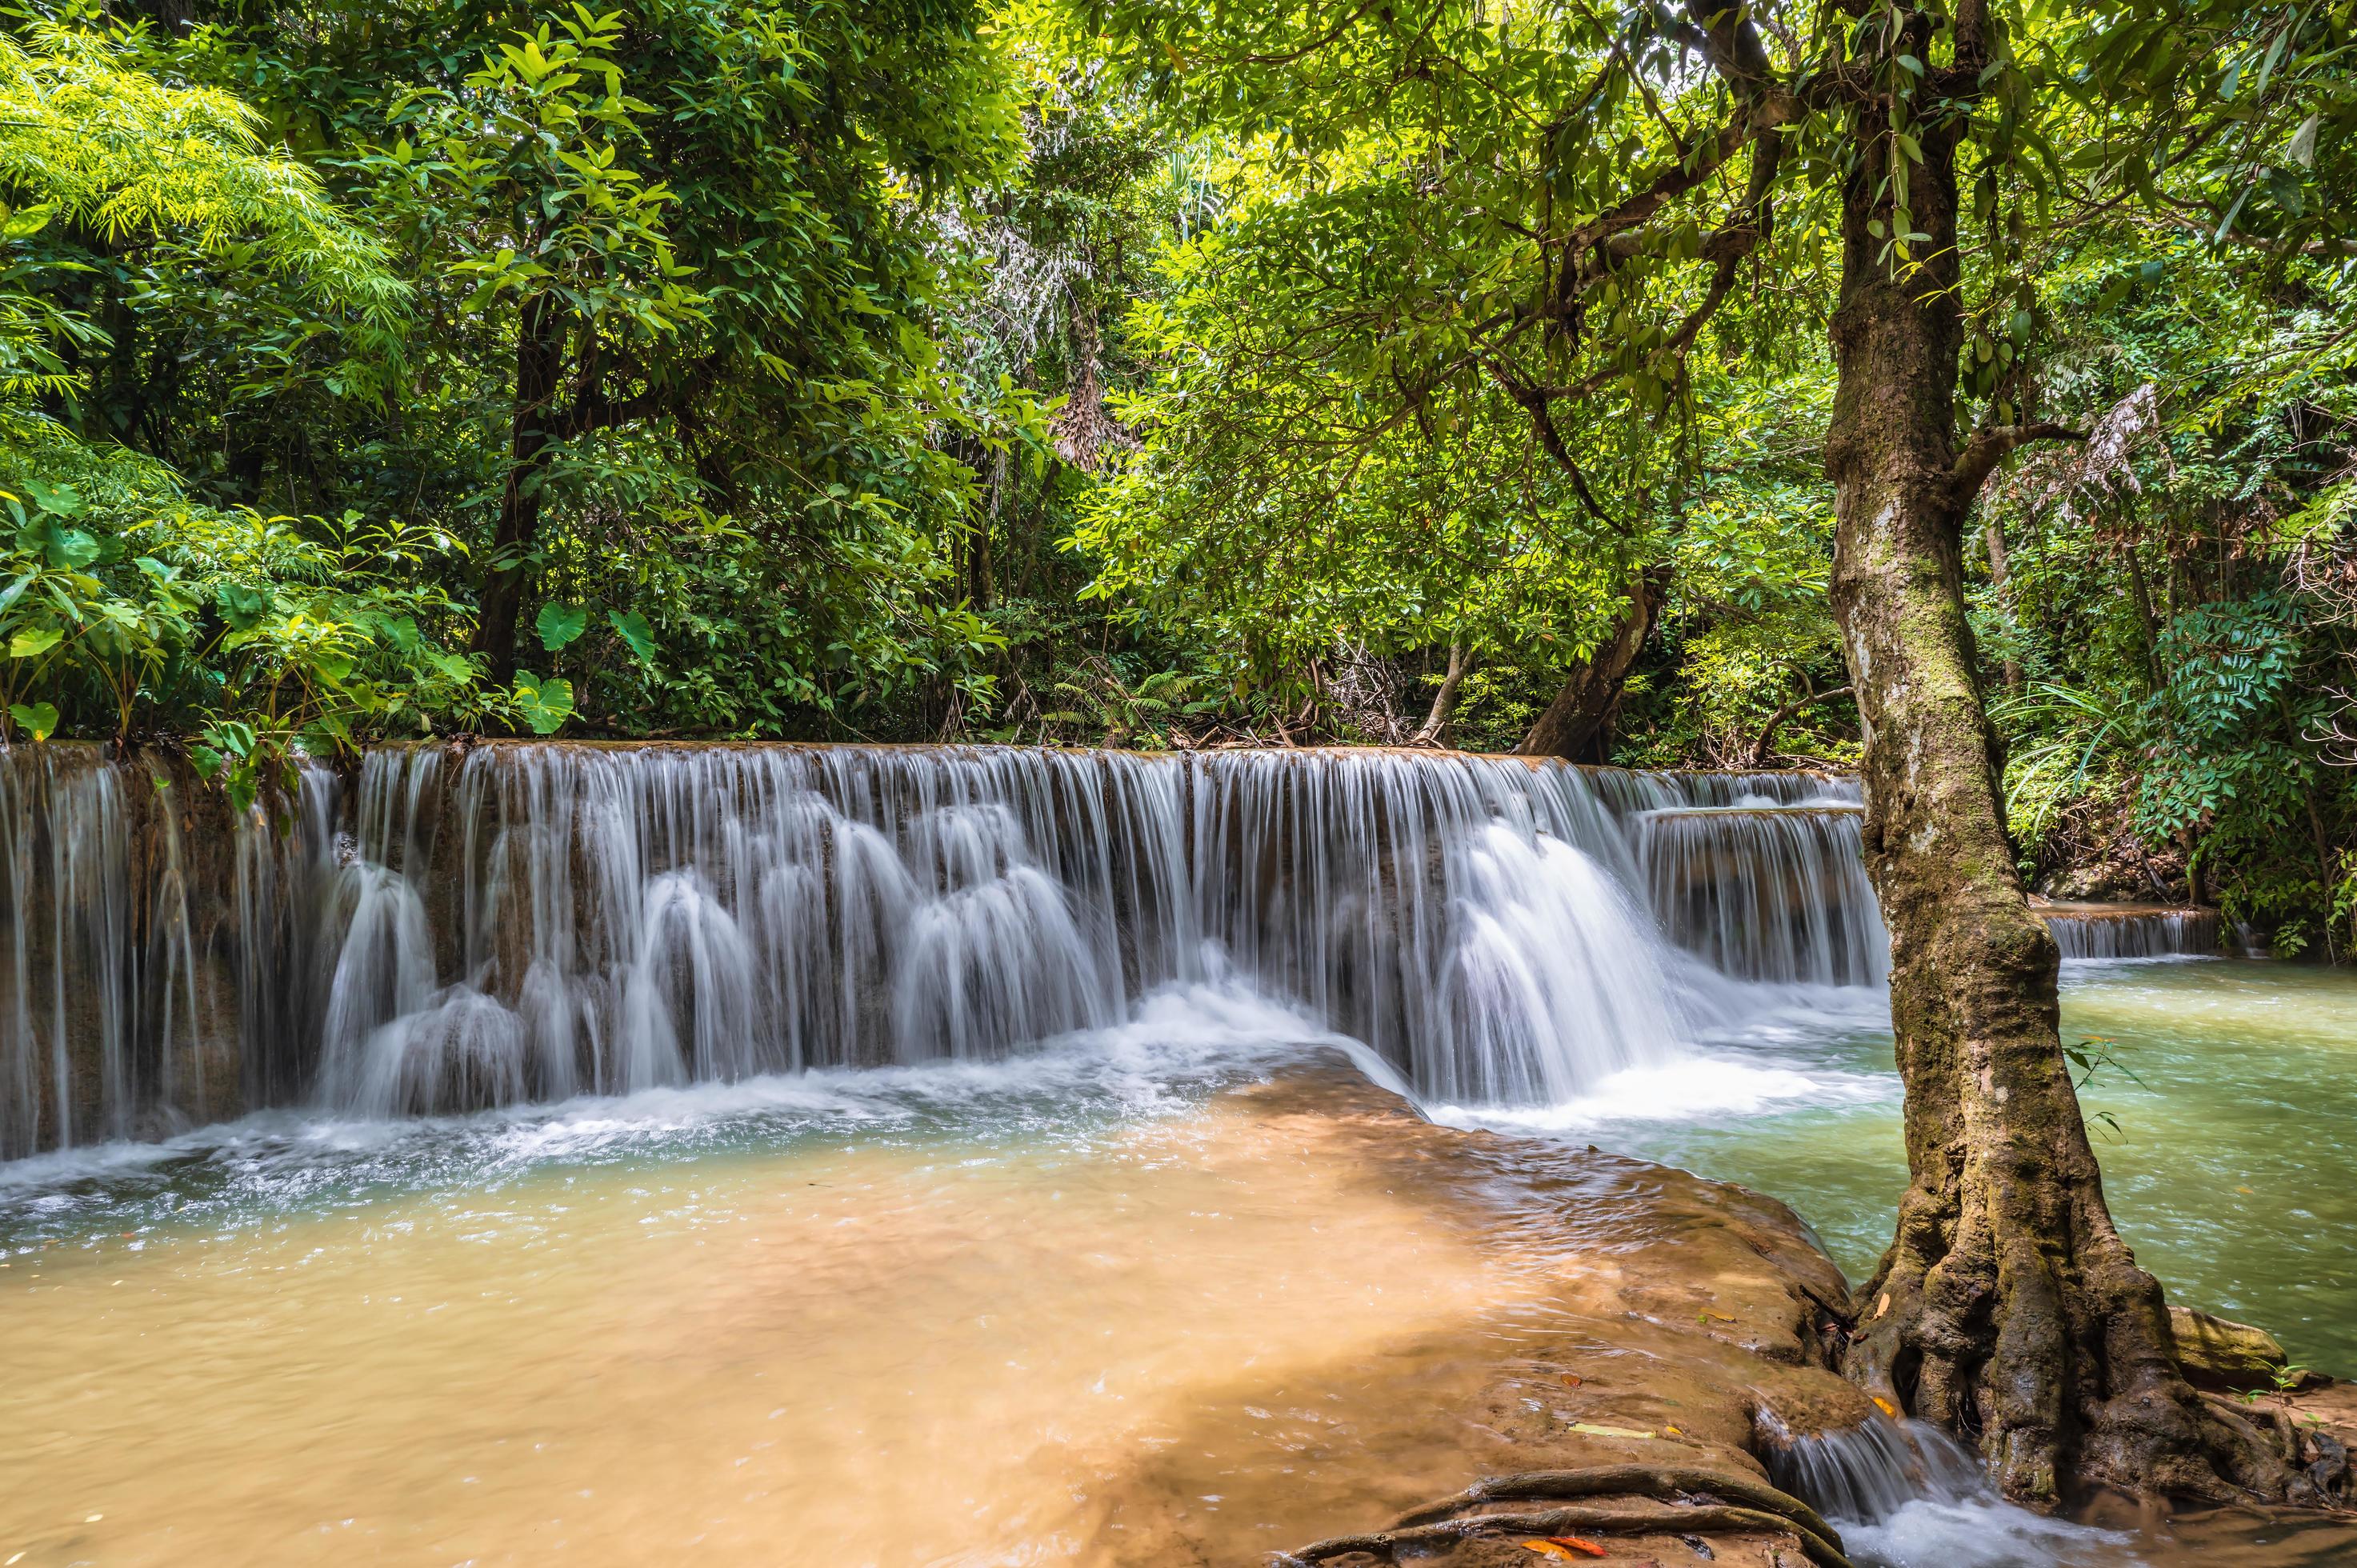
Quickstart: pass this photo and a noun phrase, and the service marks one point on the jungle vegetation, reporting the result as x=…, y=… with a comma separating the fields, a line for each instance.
x=1963, y=395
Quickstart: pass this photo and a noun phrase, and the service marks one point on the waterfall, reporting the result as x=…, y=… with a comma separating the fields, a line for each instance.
x=1871, y=1471
x=458, y=926
x=1761, y=875
x=1904, y=1494
x=2091, y=931
x=108, y=1011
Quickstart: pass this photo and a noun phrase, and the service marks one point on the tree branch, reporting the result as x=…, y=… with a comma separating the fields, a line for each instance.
x=2326, y=245
x=1533, y=401
x=1778, y=719
x=1988, y=446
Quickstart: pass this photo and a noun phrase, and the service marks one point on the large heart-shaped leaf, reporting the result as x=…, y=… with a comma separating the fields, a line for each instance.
x=38, y=720
x=542, y=704
x=633, y=627
x=241, y=606
x=560, y=624
x=34, y=641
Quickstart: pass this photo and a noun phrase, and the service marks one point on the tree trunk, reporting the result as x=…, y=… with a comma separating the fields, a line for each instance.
x=1573, y=724
x=2008, y=1309
x=539, y=342
x=1444, y=701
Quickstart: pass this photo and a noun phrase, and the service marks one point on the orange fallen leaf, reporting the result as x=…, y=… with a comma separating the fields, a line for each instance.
x=1548, y=1549
x=1577, y=1543
x=1570, y=1380
x=1887, y=1407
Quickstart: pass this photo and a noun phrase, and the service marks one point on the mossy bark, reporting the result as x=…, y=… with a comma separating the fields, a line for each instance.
x=2008, y=1308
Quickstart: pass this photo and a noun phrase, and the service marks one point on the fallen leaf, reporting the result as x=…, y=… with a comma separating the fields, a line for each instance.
x=1595, y=1430
x=1883, y=1305
x=1577, y=1543
x=2246, y=1192
x=1570, y=1380
x=1546, y=1549
x=1722, y=1316
x=1886, y=1407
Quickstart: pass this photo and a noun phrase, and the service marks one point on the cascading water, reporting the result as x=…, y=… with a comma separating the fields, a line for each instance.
x=1766, y=888
x=105, y=1008
x=1907, y=1495
x=2088, y=931
x=469, y=927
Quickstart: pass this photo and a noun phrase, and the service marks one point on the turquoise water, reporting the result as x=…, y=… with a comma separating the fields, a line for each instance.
x=2233, y=1168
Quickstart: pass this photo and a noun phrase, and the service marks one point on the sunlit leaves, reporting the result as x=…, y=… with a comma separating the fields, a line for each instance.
x=544, y=706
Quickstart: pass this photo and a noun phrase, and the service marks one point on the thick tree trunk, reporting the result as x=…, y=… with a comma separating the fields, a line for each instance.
x=2008, y=1308
x=540, y=340
x=1574, y=726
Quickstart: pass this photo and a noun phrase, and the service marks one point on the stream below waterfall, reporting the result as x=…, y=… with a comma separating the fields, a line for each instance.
x=2225, y=1153
x=1085, y=1305
x=982, y=1157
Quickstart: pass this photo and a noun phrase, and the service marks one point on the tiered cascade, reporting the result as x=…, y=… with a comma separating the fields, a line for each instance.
x=2093, y=931
x=455, y=928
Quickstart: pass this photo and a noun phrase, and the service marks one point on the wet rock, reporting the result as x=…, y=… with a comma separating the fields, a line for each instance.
x=2217, y=1353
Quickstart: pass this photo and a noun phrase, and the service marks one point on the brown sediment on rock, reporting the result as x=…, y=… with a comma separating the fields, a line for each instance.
x=1678, y=1328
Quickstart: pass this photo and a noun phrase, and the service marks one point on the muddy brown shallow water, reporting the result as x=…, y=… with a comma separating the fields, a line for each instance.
x=1185, y=1316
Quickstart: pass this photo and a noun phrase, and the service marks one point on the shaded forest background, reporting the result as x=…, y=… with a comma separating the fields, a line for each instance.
x=918, y=371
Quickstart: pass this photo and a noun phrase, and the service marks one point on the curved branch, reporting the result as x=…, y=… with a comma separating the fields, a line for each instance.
x=1314, y=45
x=1533, y=401
x=1778, y=719
x=1989, y=445
x=1824, y=1549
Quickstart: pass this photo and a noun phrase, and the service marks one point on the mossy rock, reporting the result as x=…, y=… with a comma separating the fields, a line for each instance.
x=2216, y=1353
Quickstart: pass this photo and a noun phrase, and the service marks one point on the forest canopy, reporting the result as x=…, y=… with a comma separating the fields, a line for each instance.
x=1165, y=375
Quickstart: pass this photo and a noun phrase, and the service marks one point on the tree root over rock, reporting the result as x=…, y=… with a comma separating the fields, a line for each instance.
x=1697, y=1502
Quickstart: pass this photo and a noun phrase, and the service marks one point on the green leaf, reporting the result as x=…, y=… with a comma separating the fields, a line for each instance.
x=454, y=668
x=69, y=549
x=633, y=627
x=241, y=606
x=62, y=500
x=2302, y=150
x=34, y=641
x=560, y=624
x=545, y=705
x=37, y=719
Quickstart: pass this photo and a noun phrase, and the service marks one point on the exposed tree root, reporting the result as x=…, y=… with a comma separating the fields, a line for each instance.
x=2009, y=1309
x=1663, y=1482
x=1698, y=1499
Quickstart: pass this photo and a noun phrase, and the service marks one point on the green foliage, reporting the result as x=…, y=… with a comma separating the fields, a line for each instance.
x=1169, y=372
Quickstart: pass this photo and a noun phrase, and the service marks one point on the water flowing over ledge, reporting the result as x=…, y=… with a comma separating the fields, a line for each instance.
x=465, y=927
x=2131, y=930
